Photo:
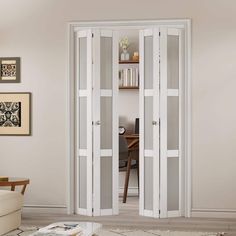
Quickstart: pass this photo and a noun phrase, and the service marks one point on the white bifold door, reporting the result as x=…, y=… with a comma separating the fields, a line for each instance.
x=161, y=122
x=97, y=123
x=171, y=122
x=161, y=74
x=149, y=123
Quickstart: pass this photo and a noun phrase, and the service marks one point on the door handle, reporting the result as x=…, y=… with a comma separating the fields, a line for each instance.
x=98, y=122
x=154, y=122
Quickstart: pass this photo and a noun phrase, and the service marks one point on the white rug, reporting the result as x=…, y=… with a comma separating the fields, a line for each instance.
x=26, y=231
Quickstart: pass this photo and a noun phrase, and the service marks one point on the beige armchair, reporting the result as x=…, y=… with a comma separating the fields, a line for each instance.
x=10, y=210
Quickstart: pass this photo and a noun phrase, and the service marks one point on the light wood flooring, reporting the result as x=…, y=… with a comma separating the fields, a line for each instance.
x=129, y=217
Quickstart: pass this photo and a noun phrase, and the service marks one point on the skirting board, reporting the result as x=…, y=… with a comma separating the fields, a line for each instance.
x=132, y=191
x=213, y=213
x=57, y=209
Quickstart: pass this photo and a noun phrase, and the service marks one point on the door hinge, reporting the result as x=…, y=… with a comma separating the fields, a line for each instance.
x=159, y=212
x=159, y=33
x=92, y=35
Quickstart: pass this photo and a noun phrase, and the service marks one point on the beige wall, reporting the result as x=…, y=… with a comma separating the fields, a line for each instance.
x=37, y=32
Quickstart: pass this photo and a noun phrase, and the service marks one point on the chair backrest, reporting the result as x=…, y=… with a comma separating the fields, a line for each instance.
x=123, y=148
x=136, y=128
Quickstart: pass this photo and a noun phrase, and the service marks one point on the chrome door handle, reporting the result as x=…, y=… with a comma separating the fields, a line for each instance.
x=98, y=122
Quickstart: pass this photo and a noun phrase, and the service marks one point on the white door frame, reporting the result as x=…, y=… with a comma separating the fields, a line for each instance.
x=70, y=115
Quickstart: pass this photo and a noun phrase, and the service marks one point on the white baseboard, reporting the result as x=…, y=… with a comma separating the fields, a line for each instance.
x=55, y=209
x=132, y=191
x=214, y=213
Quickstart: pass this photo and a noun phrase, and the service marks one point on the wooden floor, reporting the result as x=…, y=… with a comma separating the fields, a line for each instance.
x=129, y=217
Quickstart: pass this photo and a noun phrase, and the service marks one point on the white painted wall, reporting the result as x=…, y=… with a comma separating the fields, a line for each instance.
x=37, y=32
x=128, y=108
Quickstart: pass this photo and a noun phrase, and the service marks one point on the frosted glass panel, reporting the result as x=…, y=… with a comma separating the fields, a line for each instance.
x=106, y=122
x=173, y=123
x=173, y=183
x=172, y=62
x=82, y=110
x=82, y=63
x=148, y=183
x=82, y=182
x=106, y=63
x=148, y=127
x=106, y=182
x=148, y=62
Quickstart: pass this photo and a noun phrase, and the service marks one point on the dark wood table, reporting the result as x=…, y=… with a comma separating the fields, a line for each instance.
x=13, y=182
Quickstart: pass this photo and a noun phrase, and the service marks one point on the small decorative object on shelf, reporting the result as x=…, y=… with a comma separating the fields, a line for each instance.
x=124, y=44
x=135, y=56
x=122, y=130
x=124, y=55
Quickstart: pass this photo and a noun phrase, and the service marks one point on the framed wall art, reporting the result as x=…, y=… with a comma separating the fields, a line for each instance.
x=15, y=114
x=10, y=69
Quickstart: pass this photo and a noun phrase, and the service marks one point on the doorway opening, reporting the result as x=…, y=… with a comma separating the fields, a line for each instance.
x=128, y=99
x=161, y=82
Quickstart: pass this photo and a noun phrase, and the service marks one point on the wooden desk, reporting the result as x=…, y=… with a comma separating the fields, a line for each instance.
x=133, y=140
x=13, y=182
x=131, y=136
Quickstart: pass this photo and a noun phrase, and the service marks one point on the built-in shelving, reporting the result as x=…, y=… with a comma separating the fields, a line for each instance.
x=128, y=87
x=128, y=62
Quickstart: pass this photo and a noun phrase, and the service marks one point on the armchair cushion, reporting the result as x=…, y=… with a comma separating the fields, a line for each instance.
x=10, y=202
x=10, y=210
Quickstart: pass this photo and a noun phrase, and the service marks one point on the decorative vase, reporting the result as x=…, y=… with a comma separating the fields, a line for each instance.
x=124, y=55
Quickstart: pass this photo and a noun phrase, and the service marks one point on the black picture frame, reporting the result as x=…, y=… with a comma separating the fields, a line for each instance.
x=4, y=61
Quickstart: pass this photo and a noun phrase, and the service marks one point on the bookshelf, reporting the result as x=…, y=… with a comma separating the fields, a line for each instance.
x=128, y=87
x=129, y=74
x=128, y=62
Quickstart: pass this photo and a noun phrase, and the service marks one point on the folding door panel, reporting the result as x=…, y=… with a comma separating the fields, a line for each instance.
x=170, y=131
x=105, y=119
x=84, y=123
x=149, y=122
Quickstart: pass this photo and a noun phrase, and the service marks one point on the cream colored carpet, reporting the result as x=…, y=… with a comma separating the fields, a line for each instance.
x=26, y=231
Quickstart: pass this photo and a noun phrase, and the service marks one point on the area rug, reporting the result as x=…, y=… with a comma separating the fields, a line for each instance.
x=26, y=231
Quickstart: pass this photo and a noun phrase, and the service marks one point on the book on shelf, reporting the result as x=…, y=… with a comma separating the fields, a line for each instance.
x=129, y=77
x=4, y=178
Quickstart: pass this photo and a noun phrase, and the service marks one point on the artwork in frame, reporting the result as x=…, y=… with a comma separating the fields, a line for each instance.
x=15, y=114
x=10, y=69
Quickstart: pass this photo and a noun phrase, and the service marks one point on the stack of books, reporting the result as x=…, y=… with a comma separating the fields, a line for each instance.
x=129, y=77
x=69, y=229
x=4, y=178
